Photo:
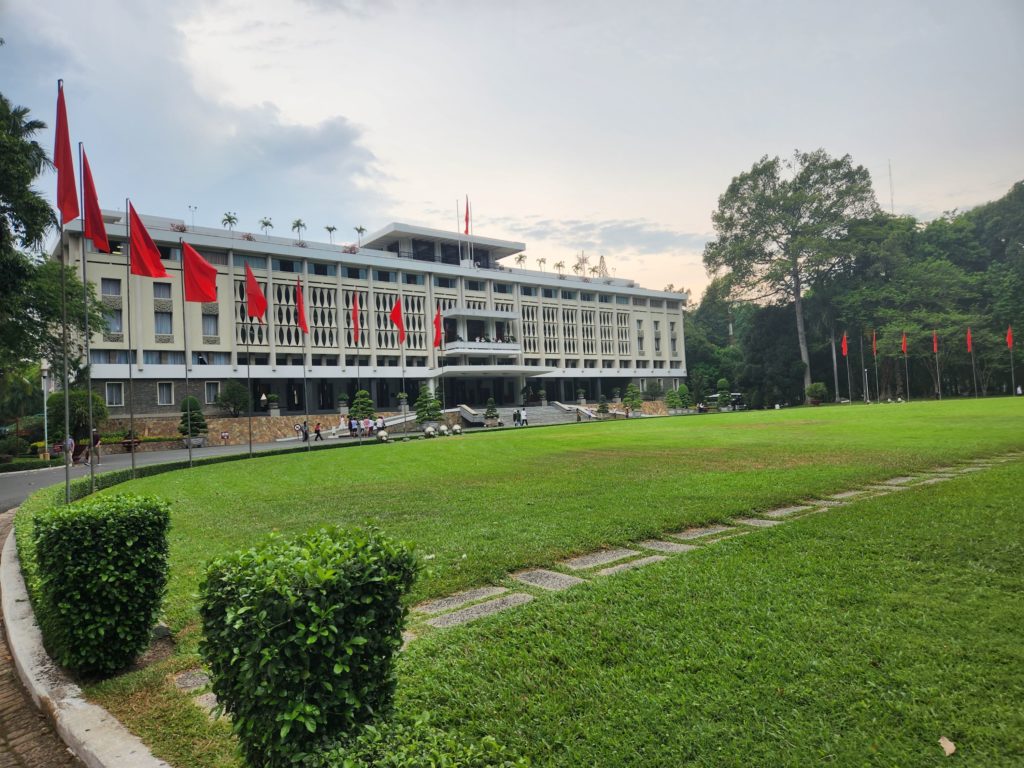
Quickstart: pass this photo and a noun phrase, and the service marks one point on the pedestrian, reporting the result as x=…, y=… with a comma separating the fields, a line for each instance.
x=579, y=418
x=367, y=426
x=380, y=423
x=96, y=446
x=316, y=431
x=515, y=418
x=353, y=427
x=523, y=421
x=305, y=431
x=69, y=449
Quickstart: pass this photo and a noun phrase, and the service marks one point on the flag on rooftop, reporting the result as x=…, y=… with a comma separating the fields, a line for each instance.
x=300, y=306
x=144, y=255
x=67, y=195
x=255, y=301
x=94, y=229
x=200, y=275
x=396, y=318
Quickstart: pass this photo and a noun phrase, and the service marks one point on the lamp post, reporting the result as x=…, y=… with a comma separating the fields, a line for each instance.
x=193, y=209
x=44, y=369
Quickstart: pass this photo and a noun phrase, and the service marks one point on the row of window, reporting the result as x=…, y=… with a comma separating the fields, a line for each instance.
x=114, y=391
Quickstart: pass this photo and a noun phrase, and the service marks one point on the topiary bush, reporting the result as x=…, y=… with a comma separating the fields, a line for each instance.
x=817, y=392
x=102, y=569
x=299, y=637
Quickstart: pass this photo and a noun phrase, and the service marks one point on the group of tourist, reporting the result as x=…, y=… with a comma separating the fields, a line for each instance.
x=519, y=418
x=366, y=427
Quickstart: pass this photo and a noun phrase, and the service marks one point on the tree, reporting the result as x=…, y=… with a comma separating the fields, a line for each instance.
x=779, y=226
x=193, y=423
x=633, y=399
x=331, y=229
x=427, y=407
x=78, y=405
x=360, y=231
x=520, y=259
x=653, y=390
x=724, y=395
x=266, y=225
x=297, y=226
x=234, y=398
x=672, y=400
x=541, y=262
x=20, y=394
x=560, y=267
x=491, y=412
x=25, y=215
x=229, y=220
x=602, y=404
x=362, y=406
x=685, y=401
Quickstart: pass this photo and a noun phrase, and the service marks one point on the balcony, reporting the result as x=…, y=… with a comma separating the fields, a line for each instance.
x=499, y=348
x=479, y=314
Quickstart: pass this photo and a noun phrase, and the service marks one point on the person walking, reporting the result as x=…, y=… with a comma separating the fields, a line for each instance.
x=96, y=446
x=523, y=421
x=515, y=418
x=316, y=431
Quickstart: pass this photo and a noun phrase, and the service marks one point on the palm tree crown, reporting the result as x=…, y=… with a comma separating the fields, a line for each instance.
x=297, y=226
x=331, y=229
x=360, y=231
x=229, y=220
x=266, y=224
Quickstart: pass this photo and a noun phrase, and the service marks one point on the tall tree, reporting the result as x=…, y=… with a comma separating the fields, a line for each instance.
x=779, y=225
x=229, y=220
x=297, y=226
x=266, y=225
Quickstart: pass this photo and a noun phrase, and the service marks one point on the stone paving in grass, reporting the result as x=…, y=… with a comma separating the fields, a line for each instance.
x=472, y=604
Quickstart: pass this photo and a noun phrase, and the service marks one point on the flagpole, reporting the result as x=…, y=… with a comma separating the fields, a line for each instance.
x=64, y=345
x=906, y=371
x=1013, y=378
x=974, y=372
x=88, y=354
x=849, y=381
x=184, y=334
x=305, y=387
x=248, y=377
x=864, y=374
x=938, y=373
x=458, y=240
x=874, y=354
x=131, y=365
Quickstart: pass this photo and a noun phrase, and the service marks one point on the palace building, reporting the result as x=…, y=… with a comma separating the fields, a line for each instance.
x=506, y=330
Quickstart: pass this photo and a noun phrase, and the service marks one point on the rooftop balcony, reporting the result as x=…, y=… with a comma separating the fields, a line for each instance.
x=500, y=348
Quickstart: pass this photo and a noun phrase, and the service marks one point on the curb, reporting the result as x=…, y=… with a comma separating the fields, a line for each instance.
x=93, y=734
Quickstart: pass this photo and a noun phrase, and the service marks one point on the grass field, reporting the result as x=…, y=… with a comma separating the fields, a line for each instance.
x=844, y=638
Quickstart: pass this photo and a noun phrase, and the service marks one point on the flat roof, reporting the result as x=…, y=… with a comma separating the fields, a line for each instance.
x=382, y=237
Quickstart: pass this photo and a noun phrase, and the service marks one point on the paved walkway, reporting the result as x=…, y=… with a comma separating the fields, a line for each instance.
x=26, y=738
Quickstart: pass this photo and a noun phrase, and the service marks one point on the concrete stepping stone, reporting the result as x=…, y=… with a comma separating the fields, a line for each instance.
x=934, y=480
x=787, y=511
x=480, y=610
x=457, y=600
x=665, y=546
x=844, y=495
x=639, y=563
x=594, y=559
x=696, y=533
x=539, y=577
x=758, y=522
x=206, y=702
x=965, y=470
x=830, y=503
x=191, y=680
x=944, y=470
x=900, y=480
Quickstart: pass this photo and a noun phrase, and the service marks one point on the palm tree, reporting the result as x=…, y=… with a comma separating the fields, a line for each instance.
x=594, y=271
x=360, y=231
x=229, y=220
x=576, y=267
x=266, y=224
x=559, y=265
x=27, y=215
x=331, y=229
x=297, y=226
x=541, y=262
x=520, y=259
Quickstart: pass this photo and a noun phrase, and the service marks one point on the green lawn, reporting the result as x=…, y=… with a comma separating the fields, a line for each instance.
x=859, y=636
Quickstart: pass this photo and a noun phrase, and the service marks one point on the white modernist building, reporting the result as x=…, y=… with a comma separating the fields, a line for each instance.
x=506, y=330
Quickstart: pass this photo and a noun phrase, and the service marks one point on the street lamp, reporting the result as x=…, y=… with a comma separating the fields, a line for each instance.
x=44, y=369
x=193, y=208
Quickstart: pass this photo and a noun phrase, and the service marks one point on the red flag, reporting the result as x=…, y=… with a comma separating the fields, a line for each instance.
x=935, y=343
x=969, y=339
x=255, y=301
x=1009, y=337
x=200, y=275
x=67, y=195
x=396, y=318
x=904, y=345
x=874, y=344
x=300, y=305
x=437, y=327
x=846, y=349
x=144, y=255
x=94, y=228
x=467, y=215
x=355, y=318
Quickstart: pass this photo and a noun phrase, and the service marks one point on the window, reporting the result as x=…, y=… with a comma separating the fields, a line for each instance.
x=586, y=297
x=254, y=262
x=110, y=287
x=169, y=253
x=571, y=295
x=285, y=265
x=114, y=324
x=475, y=285
x=502, y=288
x=115, y=393
x=622, y=299
x=410, y=278
x=324, y=270
x=549, y=293
x=527, y=290
x=164, y=393
x=108, y=356
x=212, y=390
x=604, y=298
x=162, y=357
x=657, y=303
x=162, y=324
x=384, y=276
x=639, y=302
x=672, y=305
x=211, y=325
x=211, y=358
x=444, y=282
x=161, y=290
x=355, y=273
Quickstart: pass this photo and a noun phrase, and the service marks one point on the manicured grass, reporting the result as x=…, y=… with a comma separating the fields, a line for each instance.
x=859, y=636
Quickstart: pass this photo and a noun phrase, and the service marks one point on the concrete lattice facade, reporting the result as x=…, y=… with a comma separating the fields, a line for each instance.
x=505, y=329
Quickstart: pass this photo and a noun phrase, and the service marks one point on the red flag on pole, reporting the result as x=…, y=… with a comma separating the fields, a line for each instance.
x=94, y=228
x=935, y=343
x=255, y=301
x=969, y=339
x=144, y=255
x=200, y=275
x=355, y=318
x=437, y=327
x=467, y=215
x=904, y=345
x=874, y=344
x=300, y=305
x=845, y=348
x=396, y=318
x=67, y=195
x=1009, y=337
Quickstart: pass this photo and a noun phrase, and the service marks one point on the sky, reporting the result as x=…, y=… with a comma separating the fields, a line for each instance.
x=606, y=128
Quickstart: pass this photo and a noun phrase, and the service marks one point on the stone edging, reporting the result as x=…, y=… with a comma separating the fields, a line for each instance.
x=95, y=736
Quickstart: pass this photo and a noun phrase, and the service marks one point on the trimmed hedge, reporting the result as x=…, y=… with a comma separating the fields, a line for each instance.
x=394, y=745
x=299, y=637
x=22, y=464
x=102, y=570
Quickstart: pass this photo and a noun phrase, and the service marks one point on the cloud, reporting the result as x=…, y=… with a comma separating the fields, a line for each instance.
x=618, y=236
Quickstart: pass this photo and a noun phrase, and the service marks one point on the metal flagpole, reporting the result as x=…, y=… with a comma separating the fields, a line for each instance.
x=974, y=372
x=864, y=370
x=88, y=354
x=849, y=381
x=874, y=354
x=305, y=388
x=458, y=225
x=1013, y=378
x=131, y=352
x=64, y=344
x=184, y=334
x=938, y=373
x=906, y=371
x=248, y=378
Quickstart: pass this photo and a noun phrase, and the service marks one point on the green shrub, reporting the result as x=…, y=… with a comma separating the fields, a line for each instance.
x=602, y=405
x=13, y=446
x=193, y=423
x=491, y=411
x=299, y=637
x=817, y=391
x=362, y=406
x=394, y=745
x=102, y=567
x=428, y=407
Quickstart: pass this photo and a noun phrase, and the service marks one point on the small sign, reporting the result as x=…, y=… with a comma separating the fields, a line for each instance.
x=225, y=436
